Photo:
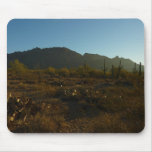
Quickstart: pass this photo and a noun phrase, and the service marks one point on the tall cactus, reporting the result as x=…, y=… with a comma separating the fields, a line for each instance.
x=119, y=69
x=104, y=68
x=135, y=70
x=140, y=69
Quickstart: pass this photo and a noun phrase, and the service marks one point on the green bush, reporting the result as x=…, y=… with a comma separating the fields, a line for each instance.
x=18, y=67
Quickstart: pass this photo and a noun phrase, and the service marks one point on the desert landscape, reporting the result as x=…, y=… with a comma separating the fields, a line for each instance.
x=75, y=76
x=78, y=99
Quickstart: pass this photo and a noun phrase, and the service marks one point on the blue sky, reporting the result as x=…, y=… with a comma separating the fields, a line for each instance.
x=109, y=37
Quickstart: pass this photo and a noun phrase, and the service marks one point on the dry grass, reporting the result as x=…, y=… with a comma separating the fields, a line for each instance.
x=73, y=104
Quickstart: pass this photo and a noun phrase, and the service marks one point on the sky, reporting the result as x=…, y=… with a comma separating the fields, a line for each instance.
x=109, y=37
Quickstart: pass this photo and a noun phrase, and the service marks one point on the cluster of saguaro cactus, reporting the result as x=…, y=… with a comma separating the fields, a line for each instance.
x=112, y=69
x=139, y=71
x=113, y=72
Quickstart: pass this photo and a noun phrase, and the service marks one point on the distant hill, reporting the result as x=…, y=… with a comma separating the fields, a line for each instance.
x=59, y=57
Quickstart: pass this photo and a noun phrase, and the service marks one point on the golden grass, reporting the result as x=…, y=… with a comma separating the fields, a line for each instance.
x=88, y=104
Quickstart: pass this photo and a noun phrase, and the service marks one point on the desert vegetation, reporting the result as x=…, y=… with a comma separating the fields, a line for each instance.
x=70, y=100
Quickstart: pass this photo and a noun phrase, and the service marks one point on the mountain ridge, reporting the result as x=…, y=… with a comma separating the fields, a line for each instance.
x=59, y=57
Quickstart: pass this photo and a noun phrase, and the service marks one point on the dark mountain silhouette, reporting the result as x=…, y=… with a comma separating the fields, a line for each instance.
x=59, y=57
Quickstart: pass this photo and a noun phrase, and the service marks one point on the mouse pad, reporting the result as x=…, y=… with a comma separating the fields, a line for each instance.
x=75, y=76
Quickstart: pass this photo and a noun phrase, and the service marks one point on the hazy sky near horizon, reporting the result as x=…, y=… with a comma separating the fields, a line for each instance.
x=109, y=37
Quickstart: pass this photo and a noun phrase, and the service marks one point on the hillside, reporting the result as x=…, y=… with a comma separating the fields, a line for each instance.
x=59, y=57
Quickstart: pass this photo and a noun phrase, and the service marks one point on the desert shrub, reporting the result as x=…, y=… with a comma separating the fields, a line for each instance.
x=123, y=74
x=63, y=72
x=80, y=71
x=96, y=73
x=116, y=72
x=73, y=72
x=18, y=68
x=36, y=124
x=51, y=71
x=108, y=74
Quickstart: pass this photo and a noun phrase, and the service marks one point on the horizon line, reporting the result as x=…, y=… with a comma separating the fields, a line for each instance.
x=76, y=52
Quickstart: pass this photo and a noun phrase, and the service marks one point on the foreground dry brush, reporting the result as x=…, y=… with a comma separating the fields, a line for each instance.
x=67, y=101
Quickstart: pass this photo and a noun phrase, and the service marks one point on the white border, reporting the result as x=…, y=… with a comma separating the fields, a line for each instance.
x=10, y=9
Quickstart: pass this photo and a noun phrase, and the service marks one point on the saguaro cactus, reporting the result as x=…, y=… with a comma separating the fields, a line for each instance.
x=104, y=68
x=119, y=69
x=134, y=70
x=140, y=69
